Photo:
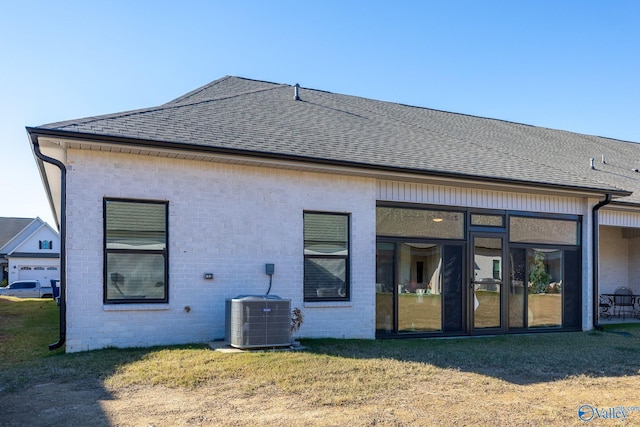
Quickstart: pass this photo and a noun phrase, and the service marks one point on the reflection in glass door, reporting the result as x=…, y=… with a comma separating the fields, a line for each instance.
x=410, y=287
x=385, y=284
x=419, y=287
x=487, y=282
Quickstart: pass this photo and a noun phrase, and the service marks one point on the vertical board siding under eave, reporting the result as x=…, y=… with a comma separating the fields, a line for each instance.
x=619, y=218
x=397, y=191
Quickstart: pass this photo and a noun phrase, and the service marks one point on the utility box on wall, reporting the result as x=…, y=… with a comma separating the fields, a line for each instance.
x=254, y=321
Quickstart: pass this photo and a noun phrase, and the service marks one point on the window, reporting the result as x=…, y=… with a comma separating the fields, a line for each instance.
x=135, y=248
x=326, y=257
x=420, y=223
x=486, y=220
x=544, y=230
x=541, y=279
x=23, y=285
x=418, y=287
x=46, y=244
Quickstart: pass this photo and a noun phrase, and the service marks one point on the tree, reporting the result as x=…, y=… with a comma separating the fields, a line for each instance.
x=539, y=279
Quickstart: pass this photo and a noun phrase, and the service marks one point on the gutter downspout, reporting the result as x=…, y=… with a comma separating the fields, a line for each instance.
x=596, y=250
x=63, y=240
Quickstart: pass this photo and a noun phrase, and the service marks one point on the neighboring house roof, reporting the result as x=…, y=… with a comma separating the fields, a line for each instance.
x=10, y=227
x=16, y=233
x=241, y=116
x=35, y=255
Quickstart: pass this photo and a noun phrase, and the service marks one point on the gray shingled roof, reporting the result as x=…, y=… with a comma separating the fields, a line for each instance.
x=10, y=227
x=262, y=118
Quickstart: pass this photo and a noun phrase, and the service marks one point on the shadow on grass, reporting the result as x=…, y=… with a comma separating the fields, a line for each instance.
x=518, y=359
x=66, y=389
x=42, y=387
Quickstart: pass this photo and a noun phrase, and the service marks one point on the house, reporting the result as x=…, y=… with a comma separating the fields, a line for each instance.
x=382, y=220
x=29, y=250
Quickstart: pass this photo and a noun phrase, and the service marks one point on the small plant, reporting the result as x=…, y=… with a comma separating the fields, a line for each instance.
x=296, y=320
x=538, y=276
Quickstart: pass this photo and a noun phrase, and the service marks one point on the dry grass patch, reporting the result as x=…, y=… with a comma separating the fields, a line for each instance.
x=537, y=379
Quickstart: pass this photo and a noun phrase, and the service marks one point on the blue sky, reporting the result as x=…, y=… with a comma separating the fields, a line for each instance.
x=572, y=65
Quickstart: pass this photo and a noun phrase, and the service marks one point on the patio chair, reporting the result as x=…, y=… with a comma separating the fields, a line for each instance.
x=623, y=302
x=606, y=307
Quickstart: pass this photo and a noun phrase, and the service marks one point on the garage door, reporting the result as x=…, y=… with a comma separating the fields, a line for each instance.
x=38, y=272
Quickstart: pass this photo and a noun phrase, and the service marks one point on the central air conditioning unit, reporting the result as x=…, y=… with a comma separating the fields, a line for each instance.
x=254, y=321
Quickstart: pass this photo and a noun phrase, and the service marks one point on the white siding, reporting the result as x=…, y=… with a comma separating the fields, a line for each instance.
x=32, y=244
x=468, y=197
x=225, y=219
x=619, y=218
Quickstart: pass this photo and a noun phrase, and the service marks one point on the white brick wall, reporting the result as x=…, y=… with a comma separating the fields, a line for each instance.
x=614, y=260
x=226, y=219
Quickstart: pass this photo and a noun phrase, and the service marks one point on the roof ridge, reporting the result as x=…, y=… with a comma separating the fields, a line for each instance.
x=198, y=90
x=220, y=80
x=161, y=107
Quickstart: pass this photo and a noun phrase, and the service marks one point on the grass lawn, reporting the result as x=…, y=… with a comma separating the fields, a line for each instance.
x=536, y=379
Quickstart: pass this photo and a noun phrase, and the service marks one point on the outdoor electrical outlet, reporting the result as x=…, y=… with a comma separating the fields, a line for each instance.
x=269, y=269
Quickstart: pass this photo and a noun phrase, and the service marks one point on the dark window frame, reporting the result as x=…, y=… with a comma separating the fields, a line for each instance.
x=453, y=315
x=107, y=251
x=546, y=216
x=427, y=207
x=571, y=297
x=346, y=258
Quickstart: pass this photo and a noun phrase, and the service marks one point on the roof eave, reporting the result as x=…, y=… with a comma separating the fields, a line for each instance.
x=33, y=139
x=35, y=132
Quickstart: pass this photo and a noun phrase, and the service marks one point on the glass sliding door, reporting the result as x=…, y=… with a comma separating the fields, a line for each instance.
x=385, y=285
x=420, y=287
x=420, y=269
x=517, y=288
x=487, y=283
x=544, y=288
x=545, y=272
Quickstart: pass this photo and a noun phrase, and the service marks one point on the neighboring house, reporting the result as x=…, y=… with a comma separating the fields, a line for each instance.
x=382, y=219
x=29, y=249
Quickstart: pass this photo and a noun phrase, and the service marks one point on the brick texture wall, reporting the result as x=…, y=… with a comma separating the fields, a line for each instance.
x=225, y=219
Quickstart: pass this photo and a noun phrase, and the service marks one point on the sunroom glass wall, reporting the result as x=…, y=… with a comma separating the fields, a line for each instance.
x=419, y=276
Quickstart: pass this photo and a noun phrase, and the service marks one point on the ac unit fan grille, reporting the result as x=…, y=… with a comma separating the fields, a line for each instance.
x=258, y=321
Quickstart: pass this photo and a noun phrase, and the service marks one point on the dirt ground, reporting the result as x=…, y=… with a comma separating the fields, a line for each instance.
x=72, y=404
x=469, y=398
x=90, y=404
